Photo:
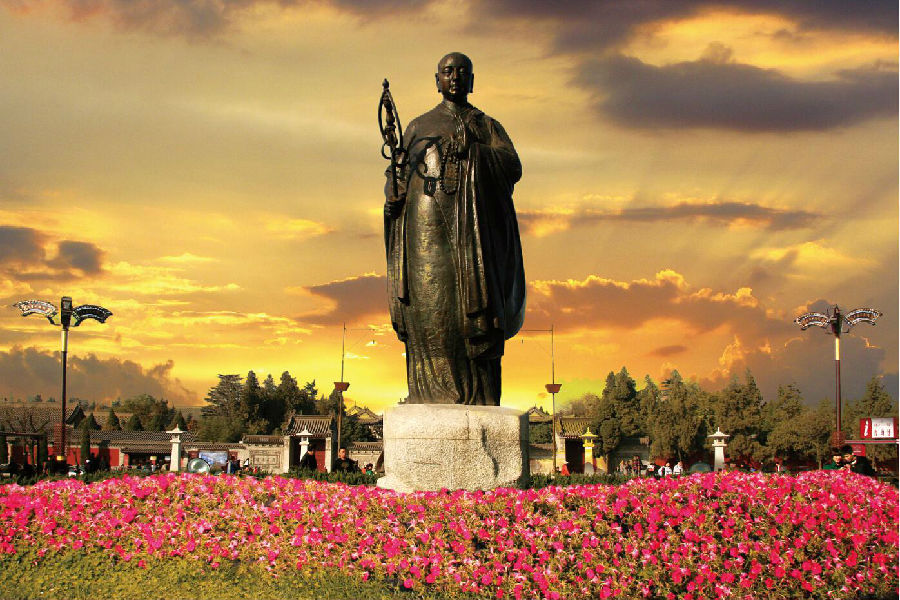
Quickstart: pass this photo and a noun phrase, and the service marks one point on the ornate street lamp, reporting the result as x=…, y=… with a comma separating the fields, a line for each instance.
x=835, y=324
x=66, y=315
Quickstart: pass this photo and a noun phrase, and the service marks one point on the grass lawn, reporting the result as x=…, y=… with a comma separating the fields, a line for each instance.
x=79, y=576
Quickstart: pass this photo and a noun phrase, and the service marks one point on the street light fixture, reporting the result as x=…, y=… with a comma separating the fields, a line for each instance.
x=552, y=389
x=66, y=313
x=835, y=324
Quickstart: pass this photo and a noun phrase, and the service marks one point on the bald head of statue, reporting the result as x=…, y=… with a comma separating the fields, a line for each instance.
x=454, y=77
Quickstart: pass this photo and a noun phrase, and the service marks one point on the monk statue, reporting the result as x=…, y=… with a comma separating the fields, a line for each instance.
x=454, y=260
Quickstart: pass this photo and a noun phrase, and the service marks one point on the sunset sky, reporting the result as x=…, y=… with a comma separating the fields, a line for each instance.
x=696, y=175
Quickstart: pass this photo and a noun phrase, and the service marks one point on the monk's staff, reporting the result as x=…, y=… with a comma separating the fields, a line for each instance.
x=392, y=134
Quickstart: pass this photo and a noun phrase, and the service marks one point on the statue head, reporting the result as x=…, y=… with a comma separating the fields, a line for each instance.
x=454, y=77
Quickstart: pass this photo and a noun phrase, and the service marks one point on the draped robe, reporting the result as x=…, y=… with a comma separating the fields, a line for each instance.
x=456, y=282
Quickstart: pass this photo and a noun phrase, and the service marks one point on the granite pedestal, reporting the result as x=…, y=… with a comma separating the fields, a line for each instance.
x=428, y=447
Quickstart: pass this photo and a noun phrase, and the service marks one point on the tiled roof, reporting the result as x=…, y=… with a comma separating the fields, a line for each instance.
x=366, y=446
x=35, y=418
x=317, y=425
x=119, y=438
x=572, y=427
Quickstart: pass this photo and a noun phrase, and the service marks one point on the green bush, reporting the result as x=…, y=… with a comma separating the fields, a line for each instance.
x=541, y=481
x=352, y=478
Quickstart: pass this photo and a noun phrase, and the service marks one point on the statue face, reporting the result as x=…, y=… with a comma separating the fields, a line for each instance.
x=454, y=77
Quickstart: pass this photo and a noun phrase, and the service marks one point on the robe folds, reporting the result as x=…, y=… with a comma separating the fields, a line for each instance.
x=456, y=281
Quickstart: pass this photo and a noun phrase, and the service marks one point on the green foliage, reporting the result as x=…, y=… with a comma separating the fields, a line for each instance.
x=220, y=428
x=153, y=414
x=738, y=412
x=350, y=478
x=92, y=422
x=112, y=421
x=541, y=433
x=541, y=481
x=178, y=422
x=677, y=418
x=133, y=424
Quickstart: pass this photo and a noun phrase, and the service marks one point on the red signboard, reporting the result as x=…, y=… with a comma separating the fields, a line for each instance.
x=876, y=428
x=859, y=449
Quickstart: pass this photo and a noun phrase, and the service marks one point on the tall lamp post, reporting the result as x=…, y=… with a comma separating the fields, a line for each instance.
x=342, y=386
x=66, y=315
x=835, y=324
x=552, y=389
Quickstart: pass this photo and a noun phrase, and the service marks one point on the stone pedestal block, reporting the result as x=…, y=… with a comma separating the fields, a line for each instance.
x=428, y=447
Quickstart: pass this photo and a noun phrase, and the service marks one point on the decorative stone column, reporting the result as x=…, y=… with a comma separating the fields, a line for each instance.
x=589, y=465
x=719, y=445
x=175, y=460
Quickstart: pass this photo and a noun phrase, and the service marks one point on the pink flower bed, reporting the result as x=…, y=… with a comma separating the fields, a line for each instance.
x=820, y=535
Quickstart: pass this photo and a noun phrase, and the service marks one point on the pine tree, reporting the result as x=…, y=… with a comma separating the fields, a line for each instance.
x=92, y=422
x=178, y=421
x=133, y=424
x=112, y=421
x=738, y=413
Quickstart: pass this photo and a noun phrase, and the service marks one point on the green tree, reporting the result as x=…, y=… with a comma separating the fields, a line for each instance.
x=224, y=399
x=92, y=422
x=178, y=421
x=677, y=418
x=738, y=412
x=621, y=393
x=875, y=402
x=605, y=421
x=133, y=424
x=541, y=433
x=112, y=421
x=779, y=417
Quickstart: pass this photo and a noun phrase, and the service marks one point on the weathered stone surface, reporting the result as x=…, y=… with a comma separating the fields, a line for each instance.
x=453, y=446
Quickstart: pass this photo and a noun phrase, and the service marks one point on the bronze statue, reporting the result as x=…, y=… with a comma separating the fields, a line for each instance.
x=454, y=259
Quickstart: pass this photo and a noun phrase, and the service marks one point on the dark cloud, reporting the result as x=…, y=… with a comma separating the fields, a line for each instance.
x=807, y=359
x=604, y=303
x=84, y=256
x=353, y=299
x=591, y=25
x=667, y=351
x=580, y=25
x=720, y=94
x=717, y=213
x=23, y=256
x=28, y=371
x=20, y=245
x=198, y=19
